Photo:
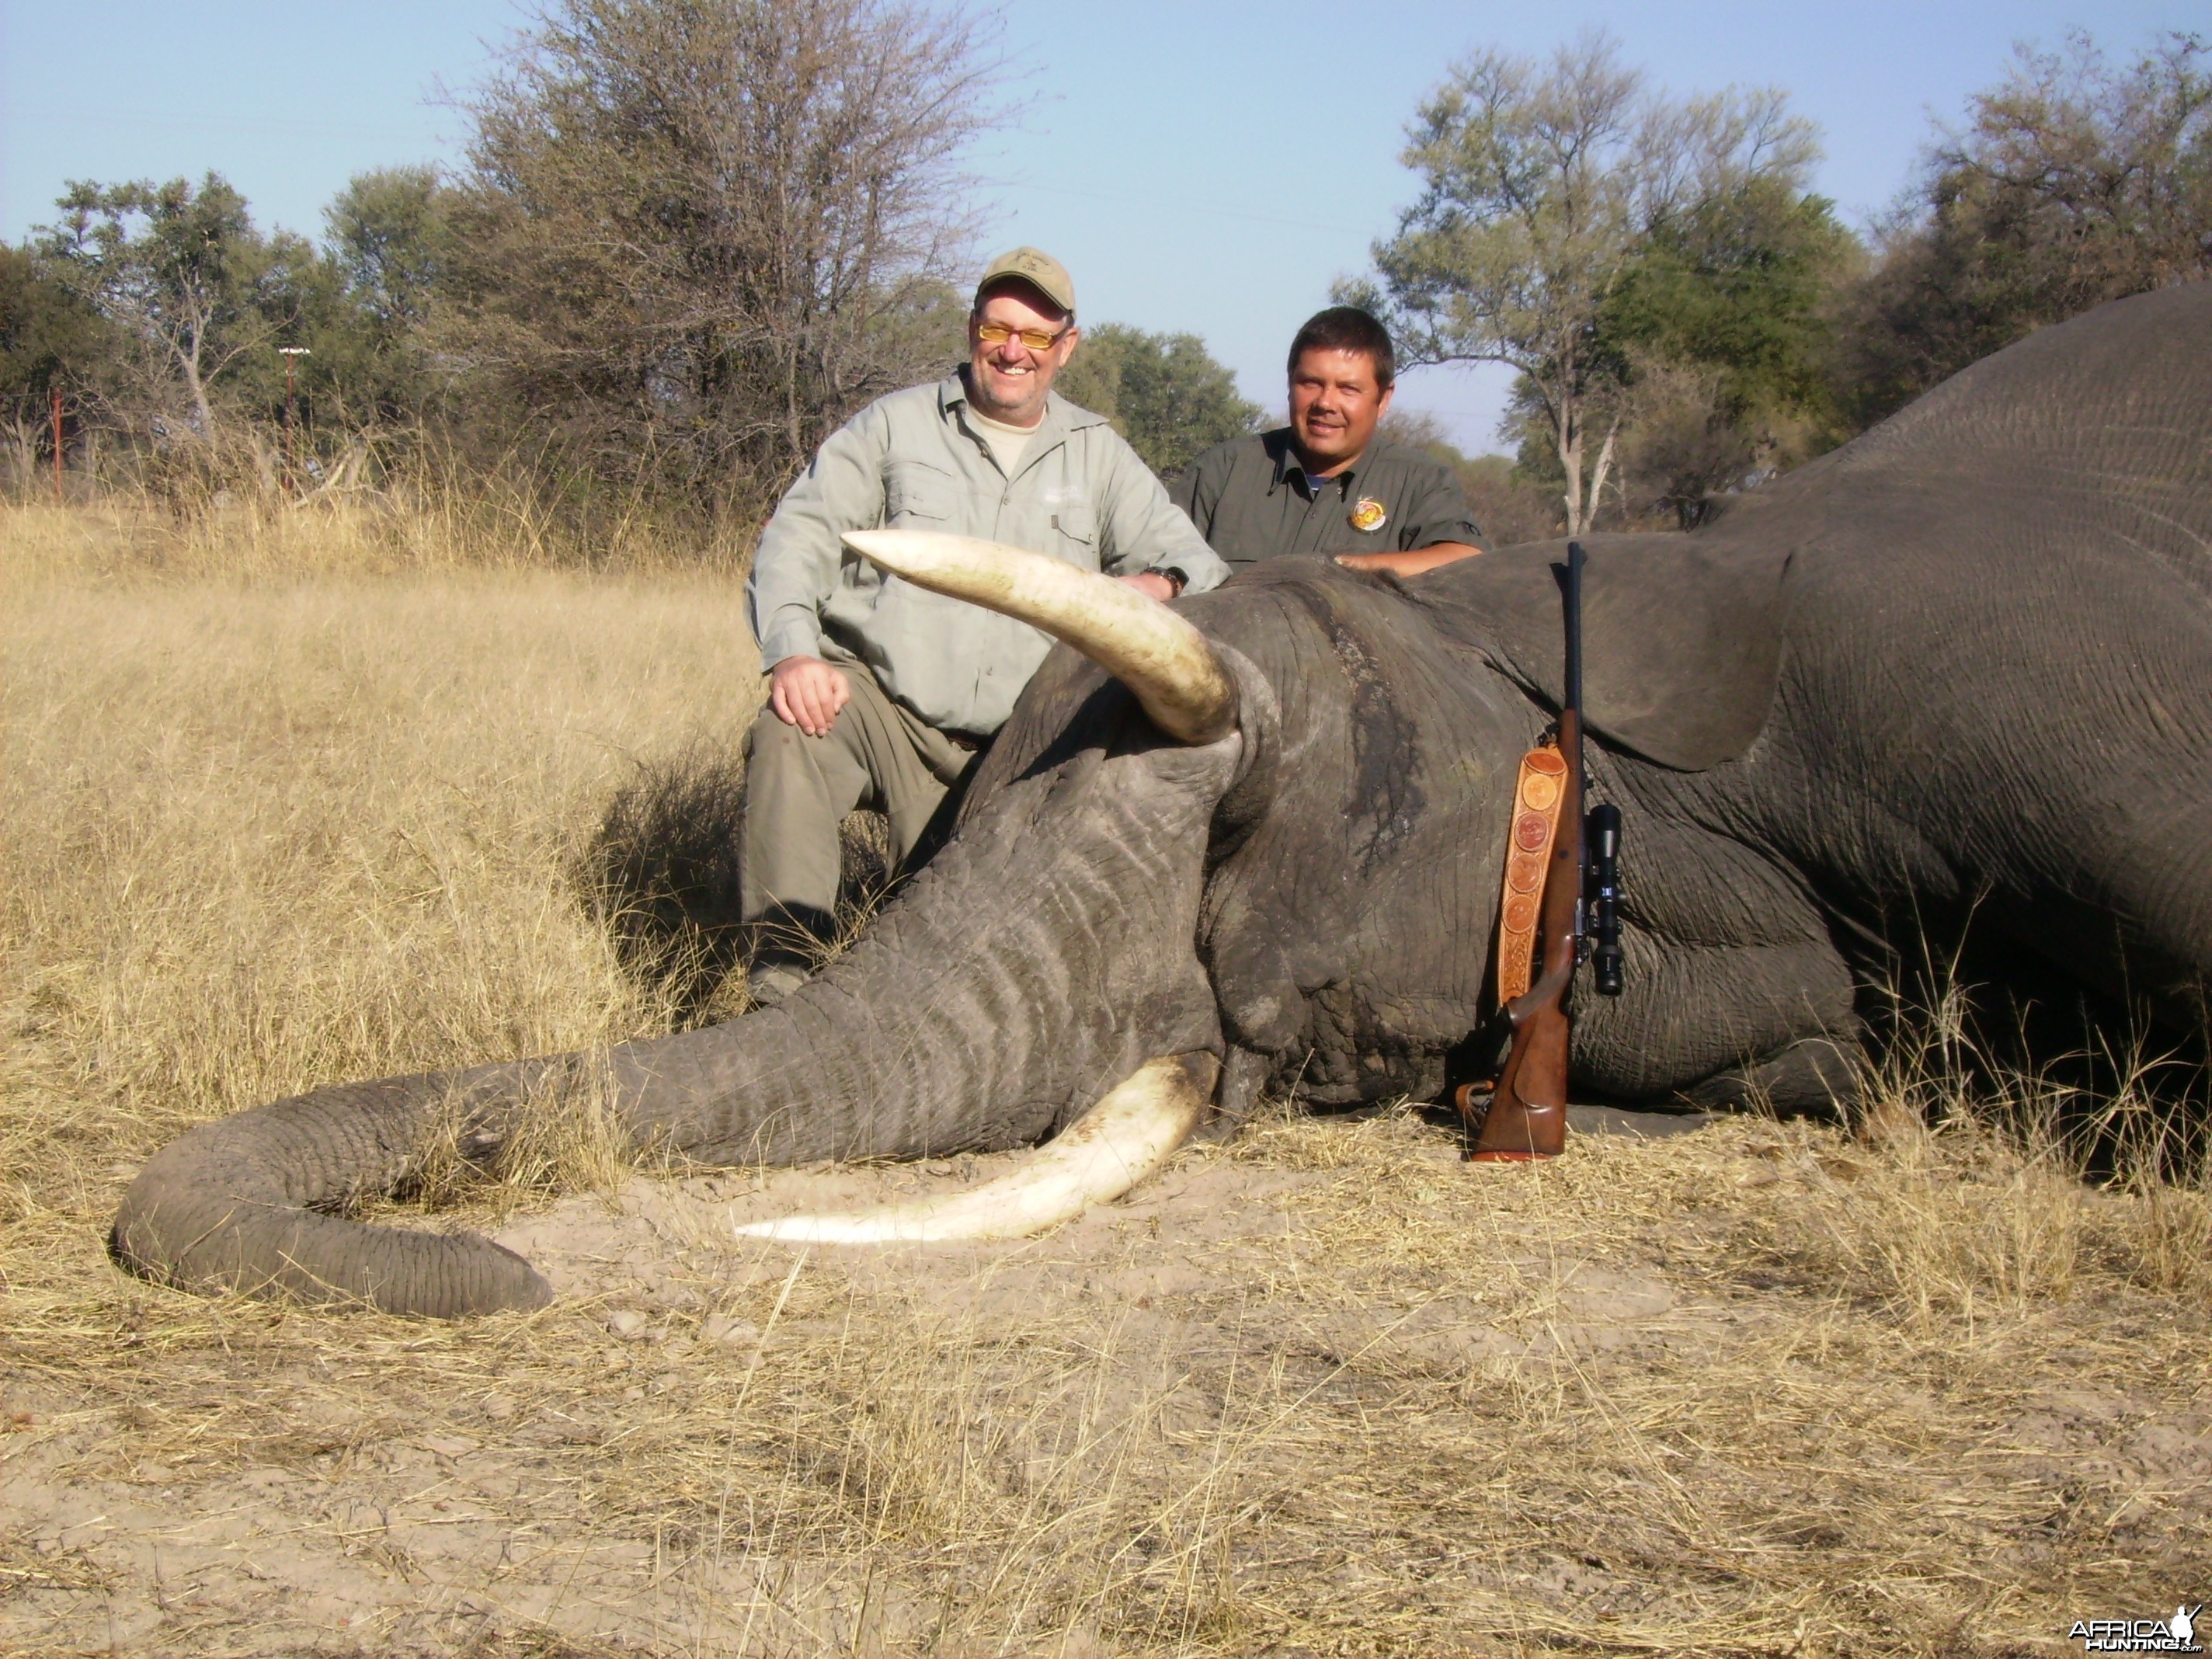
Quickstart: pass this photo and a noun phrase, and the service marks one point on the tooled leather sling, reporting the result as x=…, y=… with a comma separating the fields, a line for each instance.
x=1528, y=855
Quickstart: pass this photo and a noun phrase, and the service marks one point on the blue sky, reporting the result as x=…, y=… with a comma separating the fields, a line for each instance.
x=1202, y=166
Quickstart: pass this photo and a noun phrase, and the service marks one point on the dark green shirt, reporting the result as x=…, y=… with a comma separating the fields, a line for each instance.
x=1251, y=499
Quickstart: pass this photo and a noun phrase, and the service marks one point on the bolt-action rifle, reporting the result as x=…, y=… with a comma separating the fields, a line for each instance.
x=1527, y=1117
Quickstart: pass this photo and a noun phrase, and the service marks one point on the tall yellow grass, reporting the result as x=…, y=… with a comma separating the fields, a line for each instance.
x=436, y=513
x=284, y=811
x=267, y=830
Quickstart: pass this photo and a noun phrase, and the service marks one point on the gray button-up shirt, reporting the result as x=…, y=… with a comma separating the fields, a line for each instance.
x=1079, y=493
x=1251, y=499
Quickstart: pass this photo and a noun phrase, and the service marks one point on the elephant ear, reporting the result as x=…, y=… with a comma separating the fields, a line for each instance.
x=1681, y=635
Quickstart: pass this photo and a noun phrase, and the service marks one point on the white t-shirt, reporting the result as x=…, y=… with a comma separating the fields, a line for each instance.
x=1007, y=442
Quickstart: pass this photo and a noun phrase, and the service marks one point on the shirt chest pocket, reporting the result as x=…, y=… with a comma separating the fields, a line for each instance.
x=917, y=494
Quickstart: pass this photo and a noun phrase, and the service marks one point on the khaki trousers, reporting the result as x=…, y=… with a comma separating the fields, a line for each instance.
x=879, y=755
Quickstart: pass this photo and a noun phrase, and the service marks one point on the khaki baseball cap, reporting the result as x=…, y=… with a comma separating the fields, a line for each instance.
x=1039, y=270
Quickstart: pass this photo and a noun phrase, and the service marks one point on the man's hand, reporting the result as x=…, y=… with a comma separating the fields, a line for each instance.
x=1151, y=584
x=807, y=692
x=1409, y=564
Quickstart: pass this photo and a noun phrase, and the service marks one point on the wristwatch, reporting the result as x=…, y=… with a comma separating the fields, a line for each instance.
x=1176, y=580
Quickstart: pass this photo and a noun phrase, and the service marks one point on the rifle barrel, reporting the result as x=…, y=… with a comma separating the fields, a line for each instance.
x=1572, y=691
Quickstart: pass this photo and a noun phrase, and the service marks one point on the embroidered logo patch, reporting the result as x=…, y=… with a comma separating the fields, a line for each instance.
x=1369, y=514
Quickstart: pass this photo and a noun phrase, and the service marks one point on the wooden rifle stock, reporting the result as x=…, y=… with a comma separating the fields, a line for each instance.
x=1528, y=1113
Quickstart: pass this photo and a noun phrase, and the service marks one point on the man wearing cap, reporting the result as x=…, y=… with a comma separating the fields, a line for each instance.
x=882, y=693
x=1330, y=482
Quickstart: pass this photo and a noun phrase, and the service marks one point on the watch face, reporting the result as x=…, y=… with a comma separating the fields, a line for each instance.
x=1369, y=514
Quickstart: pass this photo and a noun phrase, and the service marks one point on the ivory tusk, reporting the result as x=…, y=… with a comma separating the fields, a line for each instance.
x=1158, y=655
x=1119, y=1142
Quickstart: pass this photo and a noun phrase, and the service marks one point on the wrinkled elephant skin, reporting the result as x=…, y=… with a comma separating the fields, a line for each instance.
x=1964, y=661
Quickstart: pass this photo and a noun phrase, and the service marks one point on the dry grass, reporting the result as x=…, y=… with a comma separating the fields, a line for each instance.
x=431, y=511
x=1762, y=1389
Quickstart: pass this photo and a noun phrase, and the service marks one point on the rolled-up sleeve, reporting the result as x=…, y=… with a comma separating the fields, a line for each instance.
x=1438, y=513
x=1145, y=530
x=795, y=567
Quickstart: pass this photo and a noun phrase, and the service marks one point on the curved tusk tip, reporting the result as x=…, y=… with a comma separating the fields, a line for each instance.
x=881, y=546
x=1124, y=1137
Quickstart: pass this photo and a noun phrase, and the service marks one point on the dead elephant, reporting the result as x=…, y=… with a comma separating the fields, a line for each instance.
x=1966, y=660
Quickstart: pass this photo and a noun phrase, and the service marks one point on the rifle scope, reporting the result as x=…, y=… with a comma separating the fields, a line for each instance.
x=1604, y=829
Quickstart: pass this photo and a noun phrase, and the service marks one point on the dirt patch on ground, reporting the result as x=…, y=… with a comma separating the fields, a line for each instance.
x=1326, y=1390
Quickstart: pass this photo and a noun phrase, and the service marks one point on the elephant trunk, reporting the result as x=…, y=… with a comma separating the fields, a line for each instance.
x=245, y=1205
x=1045, y=956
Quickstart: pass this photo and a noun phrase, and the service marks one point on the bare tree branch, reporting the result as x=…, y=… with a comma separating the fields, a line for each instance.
x=726, y=223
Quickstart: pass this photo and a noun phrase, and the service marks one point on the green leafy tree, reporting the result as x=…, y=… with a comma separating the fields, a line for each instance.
x=1164, y=392
x=1542, y=185
x=391, y=240
x=202, y=294
x=389, y=247
x=50, y=340
x=2073, y=182
x=1718, y=329
x=1739, y=283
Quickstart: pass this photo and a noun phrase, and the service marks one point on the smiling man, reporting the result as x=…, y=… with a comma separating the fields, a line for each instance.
x=1330, y=482
x=880, y=693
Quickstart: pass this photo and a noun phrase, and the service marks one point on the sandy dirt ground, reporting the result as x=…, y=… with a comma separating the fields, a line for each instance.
x=1326, y=1390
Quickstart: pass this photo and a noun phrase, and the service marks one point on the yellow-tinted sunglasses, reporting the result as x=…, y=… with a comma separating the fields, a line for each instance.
x=1035, y=338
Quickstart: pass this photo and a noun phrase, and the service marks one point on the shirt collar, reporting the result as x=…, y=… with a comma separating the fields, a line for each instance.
x=1286, y=462
x=1060, y=416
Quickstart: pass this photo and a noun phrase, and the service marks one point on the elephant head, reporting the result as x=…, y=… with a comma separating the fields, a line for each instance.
x=1264, y=798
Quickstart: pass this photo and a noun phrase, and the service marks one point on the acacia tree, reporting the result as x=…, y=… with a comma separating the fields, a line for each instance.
x=1541, y=184
x=707, y=230
x=185, y=274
